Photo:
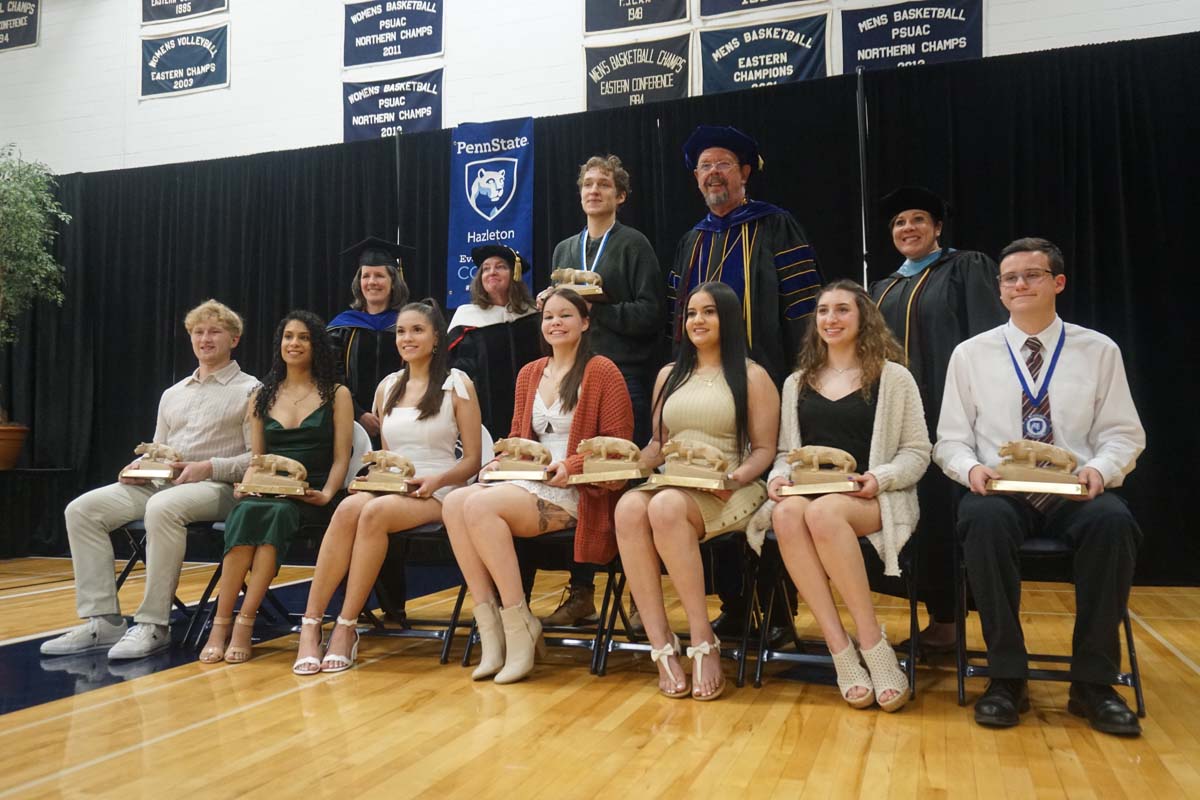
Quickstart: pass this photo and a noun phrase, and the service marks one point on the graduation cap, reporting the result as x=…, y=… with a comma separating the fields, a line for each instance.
x=512, y=257
x=375, y=252
x=919, y=197
x=731, y=139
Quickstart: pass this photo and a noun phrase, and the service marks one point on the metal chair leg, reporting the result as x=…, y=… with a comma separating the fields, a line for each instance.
x=1134, y=670
x=598, y=644
x=448, y=639
x=960, y=623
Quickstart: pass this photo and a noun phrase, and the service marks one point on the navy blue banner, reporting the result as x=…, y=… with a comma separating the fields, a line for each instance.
x=633, y=74
x=762, y=55
x=614, y=15
x=389, y=30
x=375, y=109
x=491, y=197
x=714, y=8
x=185, y=62
x=912, y=33
x=19, y=23
x=164, y=10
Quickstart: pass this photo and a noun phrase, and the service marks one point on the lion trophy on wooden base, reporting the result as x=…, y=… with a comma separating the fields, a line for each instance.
x=389, y=472
x=519, y=459
x=274, y=474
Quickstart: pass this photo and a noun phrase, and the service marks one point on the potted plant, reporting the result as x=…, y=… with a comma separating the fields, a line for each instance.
x=29, y=212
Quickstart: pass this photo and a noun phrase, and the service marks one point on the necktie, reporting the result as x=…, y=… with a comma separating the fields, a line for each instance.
x=1035, y=420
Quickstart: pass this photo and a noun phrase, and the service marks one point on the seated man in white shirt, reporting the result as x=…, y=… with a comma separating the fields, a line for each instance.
x=203, y=417
x=1038, y=378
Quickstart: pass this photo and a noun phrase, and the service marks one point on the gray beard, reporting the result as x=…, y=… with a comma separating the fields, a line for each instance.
x=719, y=196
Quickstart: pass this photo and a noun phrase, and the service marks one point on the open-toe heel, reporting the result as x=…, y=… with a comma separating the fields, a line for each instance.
x=696, y=654
x=309, y=665
x=340, y=663
x=213, y=654
x=671, y=648
x=236, y=654
x=886, y=674
x=852, y=675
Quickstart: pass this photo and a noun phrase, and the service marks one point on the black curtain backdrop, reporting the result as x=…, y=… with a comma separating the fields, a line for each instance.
x=1092, y=147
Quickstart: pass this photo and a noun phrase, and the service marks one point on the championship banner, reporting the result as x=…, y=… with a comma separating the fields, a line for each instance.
x=185, y=62
x=19, y=24
x=165, y=10
x=377, y=109
x=491, y=197
x=389, y=30
x=912, y=33
x=615, y=15
x=763, y=55
x=715, y=8
x=633, y=74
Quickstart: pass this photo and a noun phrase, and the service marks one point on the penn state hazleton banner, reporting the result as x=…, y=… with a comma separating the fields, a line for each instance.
x=763, y=54
x=714, y=8
x=614, y=15
x=634, y=74
x=389, y=30
x=164, y=10
x=912, y=33
x=185, y=62
x=375, y=109
x=491, y=197
x=19, y=23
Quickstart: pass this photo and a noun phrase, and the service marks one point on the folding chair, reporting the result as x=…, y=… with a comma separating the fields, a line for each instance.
x=135, y=534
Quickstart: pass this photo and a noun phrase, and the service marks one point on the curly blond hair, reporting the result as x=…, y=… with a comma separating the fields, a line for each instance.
x=874, y=346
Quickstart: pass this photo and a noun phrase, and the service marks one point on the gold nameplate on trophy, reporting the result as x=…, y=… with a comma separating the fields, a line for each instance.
x=588, y=285
x=389, y=472
x=155, y=462
x=1021, y=470
x=275, y=475
x=693, y=465
x=608, y=458
x=820, y=470
x=519, y=460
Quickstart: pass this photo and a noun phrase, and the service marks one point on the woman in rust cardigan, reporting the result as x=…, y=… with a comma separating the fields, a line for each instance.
x=560, y=400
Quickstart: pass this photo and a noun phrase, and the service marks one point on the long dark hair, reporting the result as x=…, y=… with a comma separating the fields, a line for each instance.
x=439, y=364
x=324, y=363
x=568, y=385
x=734, y=353
x=519, y=298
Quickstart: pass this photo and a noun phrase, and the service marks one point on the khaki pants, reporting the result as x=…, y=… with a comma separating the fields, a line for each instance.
x=166, y=512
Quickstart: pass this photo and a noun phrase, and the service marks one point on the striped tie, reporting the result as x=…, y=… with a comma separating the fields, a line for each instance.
x=1041, y=429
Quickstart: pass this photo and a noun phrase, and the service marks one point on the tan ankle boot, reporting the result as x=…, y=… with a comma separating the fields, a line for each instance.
x=522, y=638
x=491, y=641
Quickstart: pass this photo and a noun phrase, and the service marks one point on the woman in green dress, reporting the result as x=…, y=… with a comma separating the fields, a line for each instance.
x=300, y=412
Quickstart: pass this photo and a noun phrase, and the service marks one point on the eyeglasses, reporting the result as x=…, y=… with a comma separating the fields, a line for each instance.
x=1030, y=276
x=720, y=166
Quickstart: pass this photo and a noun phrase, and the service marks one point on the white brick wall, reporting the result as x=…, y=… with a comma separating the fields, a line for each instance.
x=73, y=100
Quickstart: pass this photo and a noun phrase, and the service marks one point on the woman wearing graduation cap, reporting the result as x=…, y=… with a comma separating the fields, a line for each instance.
x=365, y=336
x=497, y=333
x=937, y=298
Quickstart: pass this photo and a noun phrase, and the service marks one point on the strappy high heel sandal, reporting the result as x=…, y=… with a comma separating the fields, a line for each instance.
x=851, y=674
x=704, y=649
x=886, y=673
x=671, y=648
x=235, y=654
x=301, y=667
x=342, y=663
x=214, y=654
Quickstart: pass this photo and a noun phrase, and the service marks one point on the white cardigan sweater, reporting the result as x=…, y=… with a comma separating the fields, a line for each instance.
x=899, y=457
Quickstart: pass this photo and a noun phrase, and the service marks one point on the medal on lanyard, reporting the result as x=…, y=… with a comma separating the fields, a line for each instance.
x=599, y=250
x=1036, y=425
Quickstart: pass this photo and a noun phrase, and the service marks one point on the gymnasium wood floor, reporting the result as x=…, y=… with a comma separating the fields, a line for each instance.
x=401, y=725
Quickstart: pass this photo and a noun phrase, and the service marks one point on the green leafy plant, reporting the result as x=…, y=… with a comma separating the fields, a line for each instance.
x=29, y=212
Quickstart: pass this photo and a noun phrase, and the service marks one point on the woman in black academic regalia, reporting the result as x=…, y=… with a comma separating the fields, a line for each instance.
x=937, y=298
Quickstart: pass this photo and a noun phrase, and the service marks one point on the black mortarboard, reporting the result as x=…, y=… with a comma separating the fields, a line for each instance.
x=374, y=251
x=907, y=197
x=515, y=262
x=733, y=140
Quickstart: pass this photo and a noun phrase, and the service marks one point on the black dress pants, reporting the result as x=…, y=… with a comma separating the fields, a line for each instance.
x=1104, y=537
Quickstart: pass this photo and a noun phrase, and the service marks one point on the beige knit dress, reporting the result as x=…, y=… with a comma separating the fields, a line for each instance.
x=701, y=410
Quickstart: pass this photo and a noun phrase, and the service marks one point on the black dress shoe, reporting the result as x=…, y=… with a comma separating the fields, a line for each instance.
x=1104, y=709
x=1002, y=703
x=728, y=625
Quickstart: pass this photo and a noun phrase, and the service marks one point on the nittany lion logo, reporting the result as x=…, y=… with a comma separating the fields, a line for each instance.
x=490, y=184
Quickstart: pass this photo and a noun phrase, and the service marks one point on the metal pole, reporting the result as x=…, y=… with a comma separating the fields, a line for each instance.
x=861, y=98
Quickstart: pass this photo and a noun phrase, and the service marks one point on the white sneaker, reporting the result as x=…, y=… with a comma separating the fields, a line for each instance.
x=95, y=634
x=140, y=641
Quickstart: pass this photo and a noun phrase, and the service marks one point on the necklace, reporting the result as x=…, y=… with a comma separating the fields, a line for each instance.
x=712, y=371
x=842, y=371
x=287, y=393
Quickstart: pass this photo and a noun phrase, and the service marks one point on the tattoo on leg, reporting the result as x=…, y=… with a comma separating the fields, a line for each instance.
x=552, y=517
